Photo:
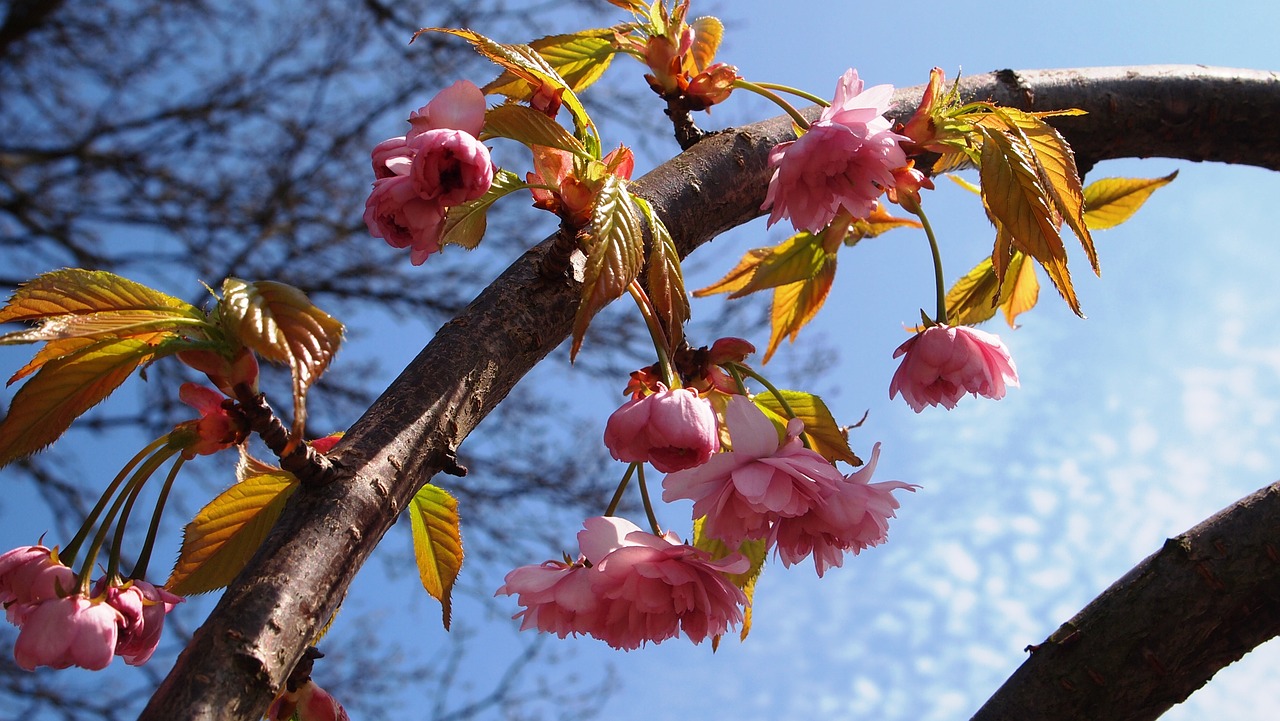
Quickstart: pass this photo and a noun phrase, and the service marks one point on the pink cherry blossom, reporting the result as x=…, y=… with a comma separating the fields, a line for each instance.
x=742, y=491
x=449, y=166
x=142, y=608
x=557, y=598
x=71, y=631
x=854, y=517
x=397, y=214
x=673, y=430
x=654, y=587
x=29, y=576
x=391, y=157
x=844, y=160
x=942, y=363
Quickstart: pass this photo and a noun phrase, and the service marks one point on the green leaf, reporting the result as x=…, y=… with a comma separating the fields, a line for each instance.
x=665, y=279
x=525, y=63
x=1013, y=193
x=437, y=543
x=225, y=534
x=62, y=390
x=580, y=58
x=465, y=224
x=754, y=550
x=74, y=291
x=796, y=304
x=820, y=427
x=281, y=325
x=1111, y=201
x=523, y=124
x=614, y=243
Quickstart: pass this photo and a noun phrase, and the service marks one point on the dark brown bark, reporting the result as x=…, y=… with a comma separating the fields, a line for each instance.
x=1159, y=633
x=267, y=617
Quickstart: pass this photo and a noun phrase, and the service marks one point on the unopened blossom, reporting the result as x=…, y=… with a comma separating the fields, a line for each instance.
x=655, y=587
x=672, y=429
x=397, y=214
x=71, y=631
x=460, y=106
x=844, y=160
x=142, y=608
x=711, y=86
x=309, y=702
x=942, y=363
x=744, y=490
x=225, y=373
x=557, y=598
x=216, y=429
x=854, y=517
x=29, y=576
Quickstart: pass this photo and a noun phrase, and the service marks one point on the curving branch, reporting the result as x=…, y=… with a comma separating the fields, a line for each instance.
x=1163, y=630
x=265, y=619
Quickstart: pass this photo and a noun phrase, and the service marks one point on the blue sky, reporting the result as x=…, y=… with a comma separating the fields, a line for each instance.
x=1130, y=426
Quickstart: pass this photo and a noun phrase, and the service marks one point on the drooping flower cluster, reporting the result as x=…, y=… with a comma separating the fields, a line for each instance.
x=942, y=363
x=439, y=163
x=845, y=160
x=784, y=493
x=61, y=627
x=630, y=587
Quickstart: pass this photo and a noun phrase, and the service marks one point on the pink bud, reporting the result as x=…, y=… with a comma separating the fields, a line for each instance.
x=449, y=167
x=71, y=631
x=397, y=214
x=673, y=430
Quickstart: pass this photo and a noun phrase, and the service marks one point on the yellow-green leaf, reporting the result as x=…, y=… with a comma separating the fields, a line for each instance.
x=798, y=258
x=707, y=33
x=754, y=550
x=665, y=278
x=614, y=244
x=975, y=297
x=75, y=291
x=525, y=63
x=820, y=428
x=281, y=324
x=580, y=58
x=880, y=221
x=465, y=224
x=523, y=124
x=796, y=304
x=1056, y=164
x=1013, y=193
x=225, y=534
x=1111, y=201
x=1021, y=289
x=437, y=543
x=64, y=388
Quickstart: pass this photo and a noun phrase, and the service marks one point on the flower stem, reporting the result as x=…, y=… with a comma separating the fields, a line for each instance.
x=135, y=482
x=786, y=407
x=764, y=91
x=68, y=553
x=656, y=332
x=939, y=282
x=140, y=568
x=622, y=486
x=797, y=92
x=648, y=505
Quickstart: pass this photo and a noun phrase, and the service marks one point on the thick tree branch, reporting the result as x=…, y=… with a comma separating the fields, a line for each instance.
x=268, y=616
x=1163, y=630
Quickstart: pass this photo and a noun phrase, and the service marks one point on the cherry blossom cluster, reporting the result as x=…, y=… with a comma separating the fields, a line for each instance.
x=629, y=587
x=61, y=627
x=439, y=163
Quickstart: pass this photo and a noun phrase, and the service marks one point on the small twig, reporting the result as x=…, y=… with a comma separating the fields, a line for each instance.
x=310, y=467
x=687, y=132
